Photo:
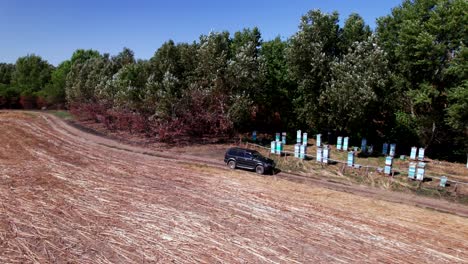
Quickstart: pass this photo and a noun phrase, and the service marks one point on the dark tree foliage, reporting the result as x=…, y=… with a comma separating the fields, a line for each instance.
x=31, y=74
x=354, y=30
x=275, y=109
x=6, y=72
x=310, y=52
x=425, y=41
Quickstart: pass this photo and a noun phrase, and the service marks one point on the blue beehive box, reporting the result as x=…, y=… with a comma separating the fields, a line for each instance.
x=412, y=170
x=413, y=153
x=388, y=170
x=273, y=147
x=350, y=161
x=326, y=153
x=339, y=143
x=389, y=160
x=304, y=139
x=443, y=181
x=385, y=149
x=345, y=143
x=421, y=154
x=364, y=145
x=279, y=147
x=420, y=174
x=302, y=151
x=392, y=150
x=319, y=154
x=318, y=140
x=296, y=150
x=298, y=137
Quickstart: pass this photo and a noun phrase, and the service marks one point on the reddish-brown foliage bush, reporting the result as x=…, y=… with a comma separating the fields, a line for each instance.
x=198, y=114
x=205, y=114
x=113, y=119
x=27, y=101
x=41, y=102
x=89, y=111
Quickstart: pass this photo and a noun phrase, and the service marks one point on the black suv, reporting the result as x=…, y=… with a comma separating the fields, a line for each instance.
x=248, y=159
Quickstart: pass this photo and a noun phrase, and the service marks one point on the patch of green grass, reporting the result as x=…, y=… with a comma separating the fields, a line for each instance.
x=62, y=114
x=431, y=192
x=31, y=114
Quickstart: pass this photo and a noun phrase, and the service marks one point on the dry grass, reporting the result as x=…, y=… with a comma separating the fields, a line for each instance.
x=66, y=199
x=370, y=176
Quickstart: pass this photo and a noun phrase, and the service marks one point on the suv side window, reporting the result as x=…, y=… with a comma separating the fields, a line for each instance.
x=247, y=155
x=233, y=152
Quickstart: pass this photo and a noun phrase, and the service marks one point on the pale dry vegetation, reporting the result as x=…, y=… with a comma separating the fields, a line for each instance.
x=65, y=198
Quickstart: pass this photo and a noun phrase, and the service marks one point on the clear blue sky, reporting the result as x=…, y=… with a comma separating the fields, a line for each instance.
x=54, y=29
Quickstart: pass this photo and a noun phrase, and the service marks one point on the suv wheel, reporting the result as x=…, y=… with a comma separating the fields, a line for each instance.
x=259, y=169
x=232, y=164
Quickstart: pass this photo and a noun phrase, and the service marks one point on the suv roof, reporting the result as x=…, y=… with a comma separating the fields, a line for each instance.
x=244, y=149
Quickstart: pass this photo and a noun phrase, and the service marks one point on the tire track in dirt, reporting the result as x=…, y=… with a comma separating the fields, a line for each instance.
x=365, y=191
x=68, y=198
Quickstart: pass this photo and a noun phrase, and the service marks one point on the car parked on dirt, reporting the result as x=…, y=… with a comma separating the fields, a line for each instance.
x=248, y=159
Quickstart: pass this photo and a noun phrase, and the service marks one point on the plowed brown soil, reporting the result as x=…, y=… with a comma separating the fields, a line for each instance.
x=66, y=198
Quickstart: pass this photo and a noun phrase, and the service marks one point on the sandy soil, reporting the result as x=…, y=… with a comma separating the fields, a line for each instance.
x=68, y=198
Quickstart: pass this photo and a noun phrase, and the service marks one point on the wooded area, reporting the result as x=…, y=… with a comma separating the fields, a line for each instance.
x=405, y=82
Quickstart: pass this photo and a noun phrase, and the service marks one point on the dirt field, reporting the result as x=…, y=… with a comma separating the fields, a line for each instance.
x=69, y=198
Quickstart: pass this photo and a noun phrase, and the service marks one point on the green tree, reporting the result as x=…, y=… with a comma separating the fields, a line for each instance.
x=354, y=30
x=81, y=56
x=7, y=92
x=55, y=90
x=205, y=104
x=275, y=102
x=170, y=66
x=244, y=65
x=213, y=56
x=128, y=86
x=6, y=72
x=457, y=108
x=125, y=57
x=457, y=112
x=422, y=38
x=245, y=77
x=31, y=74
x=309, y=55
x=88, y=79
x=351, y=100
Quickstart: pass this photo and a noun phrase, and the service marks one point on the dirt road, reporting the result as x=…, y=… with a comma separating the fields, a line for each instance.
x=65, y=197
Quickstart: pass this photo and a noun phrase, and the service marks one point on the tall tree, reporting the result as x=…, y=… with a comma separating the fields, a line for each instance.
x=88, y=79
x=275, y=102
x=170, y=67
x=309, y=55
x=6, y=72
x=354, y=30
x=8, y=94
x=81, y=55
x=352, y=94
x=128, y=87
x=245, y=77
x=55, y=90
x=244, y=64
x=31, y=74
x=125, y=57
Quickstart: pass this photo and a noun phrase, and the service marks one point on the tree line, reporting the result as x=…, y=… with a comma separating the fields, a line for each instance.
x=405, y=82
